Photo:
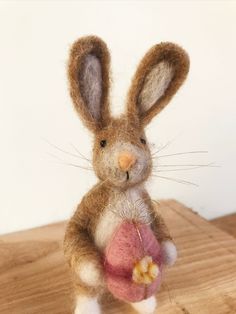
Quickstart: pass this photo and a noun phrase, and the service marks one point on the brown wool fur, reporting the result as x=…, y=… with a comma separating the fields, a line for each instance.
x=79, y=242
x=84, y=46
x=170, y=53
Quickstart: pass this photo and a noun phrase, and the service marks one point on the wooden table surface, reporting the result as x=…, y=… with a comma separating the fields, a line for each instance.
x=35, y=279
x=226, y=223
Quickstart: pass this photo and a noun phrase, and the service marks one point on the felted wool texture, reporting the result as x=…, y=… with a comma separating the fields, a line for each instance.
x=87, y=305
x=119, y=135
x=79, y=246
x=163, y=53
x=123, y=251
x=151, y=89
x=91, y=82
x=146, y=306
x=80, y=81
x=155, y=85
x=107, y=161
x=121, y=206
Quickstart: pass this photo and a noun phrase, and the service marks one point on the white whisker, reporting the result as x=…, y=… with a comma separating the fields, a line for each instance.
x=176, y=180
x=61, y=150
x=61, y=161
x=184, y=169
x=81, y=155
x=183, y=153
x=188, y=165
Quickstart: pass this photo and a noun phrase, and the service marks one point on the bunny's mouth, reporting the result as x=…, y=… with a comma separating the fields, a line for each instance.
x=127, y=175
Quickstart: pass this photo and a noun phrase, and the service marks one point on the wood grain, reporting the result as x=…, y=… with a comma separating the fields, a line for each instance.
x=226, y=223
x=35, y=279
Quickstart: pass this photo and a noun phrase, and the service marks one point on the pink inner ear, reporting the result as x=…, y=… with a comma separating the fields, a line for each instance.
x=155, y=85
x=91, y=79
x=130, y=243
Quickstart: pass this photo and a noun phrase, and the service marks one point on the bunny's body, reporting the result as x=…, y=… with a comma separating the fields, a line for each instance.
x=117, y=215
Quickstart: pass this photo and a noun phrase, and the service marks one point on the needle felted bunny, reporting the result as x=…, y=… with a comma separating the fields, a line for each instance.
x=116, y=241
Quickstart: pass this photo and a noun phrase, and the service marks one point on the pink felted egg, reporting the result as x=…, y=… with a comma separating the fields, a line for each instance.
x=128, y=245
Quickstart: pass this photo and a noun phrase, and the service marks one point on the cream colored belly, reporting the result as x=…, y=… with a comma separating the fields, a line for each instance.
x=121, y=207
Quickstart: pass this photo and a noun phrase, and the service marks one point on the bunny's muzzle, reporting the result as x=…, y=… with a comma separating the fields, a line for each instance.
x=126, y=160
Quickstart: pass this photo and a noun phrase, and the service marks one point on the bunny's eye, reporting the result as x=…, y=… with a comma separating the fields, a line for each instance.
x=103, y=143
x=143, y=141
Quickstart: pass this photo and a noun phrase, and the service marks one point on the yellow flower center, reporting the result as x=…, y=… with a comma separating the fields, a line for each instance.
x=145, y=271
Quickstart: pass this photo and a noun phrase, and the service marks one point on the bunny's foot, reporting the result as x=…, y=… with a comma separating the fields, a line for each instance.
x=87, y=305
x=147, y=306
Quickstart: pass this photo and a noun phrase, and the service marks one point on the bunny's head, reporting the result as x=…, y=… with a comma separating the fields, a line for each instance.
x=121, y=154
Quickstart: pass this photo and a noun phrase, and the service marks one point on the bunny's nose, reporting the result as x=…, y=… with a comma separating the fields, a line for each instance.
x=126, y=161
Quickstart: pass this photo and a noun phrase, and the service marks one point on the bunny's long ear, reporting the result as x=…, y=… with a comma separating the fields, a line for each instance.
x=158, y=77
x=88, y=73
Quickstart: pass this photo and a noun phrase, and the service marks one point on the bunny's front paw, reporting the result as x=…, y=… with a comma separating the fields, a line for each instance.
x=169, y=252
x=90, y=273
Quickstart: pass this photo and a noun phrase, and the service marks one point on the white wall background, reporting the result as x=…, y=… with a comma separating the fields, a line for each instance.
x=34, y=104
